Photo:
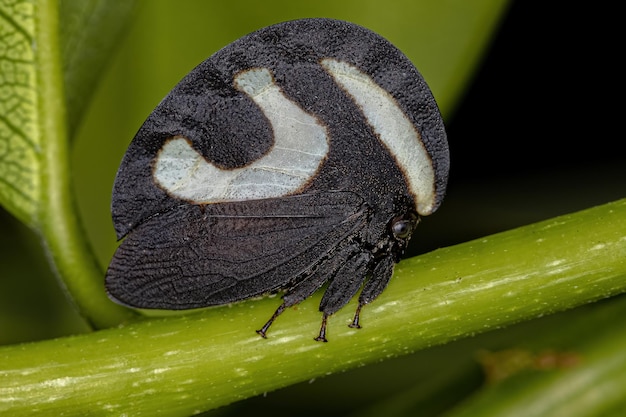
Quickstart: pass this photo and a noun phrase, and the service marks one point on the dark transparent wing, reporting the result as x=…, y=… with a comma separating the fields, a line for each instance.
x=195, y=256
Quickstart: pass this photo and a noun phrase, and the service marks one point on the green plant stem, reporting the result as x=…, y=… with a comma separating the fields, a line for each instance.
x=593, y=385
x=184, y=364
x=57, y=216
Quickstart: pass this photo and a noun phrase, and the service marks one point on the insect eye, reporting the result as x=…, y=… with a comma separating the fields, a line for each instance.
x=402, y=227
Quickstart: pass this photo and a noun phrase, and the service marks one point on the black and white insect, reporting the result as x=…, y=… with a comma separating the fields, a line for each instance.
x=299, y=155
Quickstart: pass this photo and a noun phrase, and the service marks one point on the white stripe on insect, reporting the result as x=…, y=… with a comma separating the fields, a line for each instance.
x=393, y=127
x=300, y=145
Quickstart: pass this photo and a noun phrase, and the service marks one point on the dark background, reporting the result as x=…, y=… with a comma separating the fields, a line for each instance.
x=538, y=132
x=546, y=95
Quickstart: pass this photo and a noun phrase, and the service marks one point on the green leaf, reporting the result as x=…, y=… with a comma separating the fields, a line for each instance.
x=20, y=140
x=34, y=171
x=90, y=30
x=180, y=365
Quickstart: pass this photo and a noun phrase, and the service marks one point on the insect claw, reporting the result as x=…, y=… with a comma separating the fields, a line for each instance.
x=322, y=336
x=263, y=330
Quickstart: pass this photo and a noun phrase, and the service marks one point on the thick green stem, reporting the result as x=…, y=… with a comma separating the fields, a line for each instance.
x=57, y=216
x=591, y=381
x=179, y=365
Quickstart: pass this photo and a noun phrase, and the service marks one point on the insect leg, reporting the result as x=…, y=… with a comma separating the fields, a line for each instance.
x=305, y=286
x=343, y=287
x=357, y=316
x=374, y=286
x=263, y=330
x=322, y=336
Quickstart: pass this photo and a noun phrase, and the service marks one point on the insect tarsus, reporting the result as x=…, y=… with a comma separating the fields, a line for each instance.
x=263, y=330
x=322, y=336
x=357, y=317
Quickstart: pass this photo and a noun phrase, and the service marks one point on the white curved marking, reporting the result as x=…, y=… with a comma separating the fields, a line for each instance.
x=393, y=127
x=300, y=145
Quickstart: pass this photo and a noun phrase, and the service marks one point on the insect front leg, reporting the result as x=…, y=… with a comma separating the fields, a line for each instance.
x=343, y=287
x=374, y=286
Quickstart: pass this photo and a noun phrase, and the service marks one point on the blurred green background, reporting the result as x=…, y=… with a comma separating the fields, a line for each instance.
x=532, y=135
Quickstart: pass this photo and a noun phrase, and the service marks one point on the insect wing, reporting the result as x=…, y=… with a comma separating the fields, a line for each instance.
x=196, y=256
x=317, y=86
x=295, y=156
